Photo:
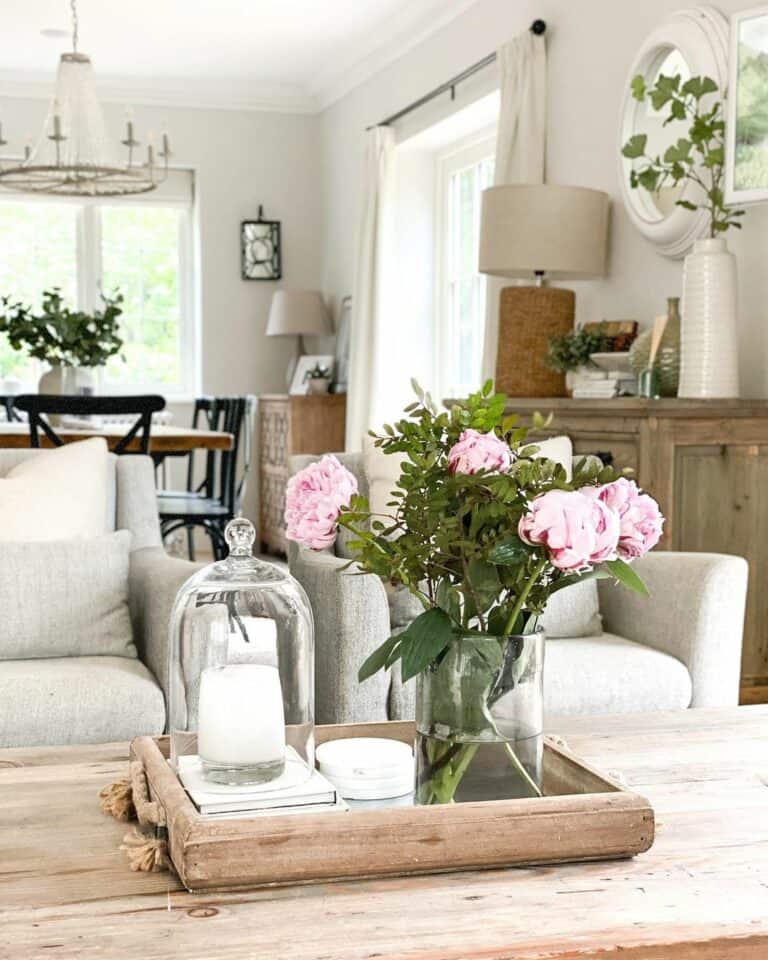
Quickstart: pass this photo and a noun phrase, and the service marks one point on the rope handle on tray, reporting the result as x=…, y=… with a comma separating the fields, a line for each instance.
x=148, y=811
x=129, y=799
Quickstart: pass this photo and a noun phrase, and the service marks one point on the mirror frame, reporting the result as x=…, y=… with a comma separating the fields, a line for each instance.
x=701, y=36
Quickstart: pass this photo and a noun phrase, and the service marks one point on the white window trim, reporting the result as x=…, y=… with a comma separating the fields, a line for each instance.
x=88, y=256
x=460, y=155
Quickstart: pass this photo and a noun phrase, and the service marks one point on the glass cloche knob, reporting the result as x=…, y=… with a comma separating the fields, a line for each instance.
x=240, y=535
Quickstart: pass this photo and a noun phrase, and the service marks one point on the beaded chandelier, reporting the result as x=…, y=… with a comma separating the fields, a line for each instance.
x=73, y=155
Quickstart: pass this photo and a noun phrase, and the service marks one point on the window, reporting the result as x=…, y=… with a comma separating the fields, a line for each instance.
x=38, y=245
x=462, y=176
x=142, y=247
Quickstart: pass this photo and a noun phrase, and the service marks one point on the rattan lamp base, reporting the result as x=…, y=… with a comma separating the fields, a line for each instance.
x=528, y=317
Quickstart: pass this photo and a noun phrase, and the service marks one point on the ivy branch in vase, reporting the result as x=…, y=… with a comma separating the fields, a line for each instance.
x=698, y=157
x=482, y=531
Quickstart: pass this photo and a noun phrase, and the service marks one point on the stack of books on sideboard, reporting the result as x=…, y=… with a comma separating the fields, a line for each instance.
x=594, y=384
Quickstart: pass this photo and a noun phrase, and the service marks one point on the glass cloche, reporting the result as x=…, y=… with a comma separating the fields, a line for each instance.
x=242, y=670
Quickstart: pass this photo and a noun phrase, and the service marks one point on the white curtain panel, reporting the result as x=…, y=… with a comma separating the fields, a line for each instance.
x=368, y=331
x=520, y=145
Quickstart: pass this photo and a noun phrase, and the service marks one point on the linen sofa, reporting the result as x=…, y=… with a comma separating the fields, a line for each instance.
x=608, y=650
x=91, y=699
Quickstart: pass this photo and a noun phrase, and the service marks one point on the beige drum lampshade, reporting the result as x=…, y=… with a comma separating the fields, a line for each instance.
x=298, y=313
x=530, y=228
x=541, y=230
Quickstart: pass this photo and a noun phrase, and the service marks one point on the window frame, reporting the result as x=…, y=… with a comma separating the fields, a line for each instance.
x=461, y=155
x=88, y=280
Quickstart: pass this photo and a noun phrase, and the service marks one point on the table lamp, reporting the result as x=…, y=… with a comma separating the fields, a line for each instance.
x=298, y=313
x=539, y=231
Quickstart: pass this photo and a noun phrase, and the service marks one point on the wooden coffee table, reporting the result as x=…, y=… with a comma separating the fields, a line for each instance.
x=701, y=893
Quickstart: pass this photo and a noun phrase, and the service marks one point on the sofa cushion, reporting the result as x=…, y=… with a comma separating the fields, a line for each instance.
x=382, y=471
x=57, y=494
x=608, y=674
x=573, y=612
x=558, y=449
x=77, y=700
x=66, y=598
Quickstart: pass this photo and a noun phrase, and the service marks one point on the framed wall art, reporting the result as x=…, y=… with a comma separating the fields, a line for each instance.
x=260, y=249
x=307, y=362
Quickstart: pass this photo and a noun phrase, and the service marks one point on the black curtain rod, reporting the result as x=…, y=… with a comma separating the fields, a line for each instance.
x=538, y=27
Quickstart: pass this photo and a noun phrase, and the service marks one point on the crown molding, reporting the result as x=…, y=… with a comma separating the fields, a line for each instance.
x=187, y=93
x=411, y=28
x=406, y=33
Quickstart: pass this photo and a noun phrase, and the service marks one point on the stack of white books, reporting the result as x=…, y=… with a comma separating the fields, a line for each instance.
x=287, y=794
x=597, y=384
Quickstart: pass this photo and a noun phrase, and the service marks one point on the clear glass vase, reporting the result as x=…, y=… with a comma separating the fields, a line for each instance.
x=242, y=670
x=479, y=719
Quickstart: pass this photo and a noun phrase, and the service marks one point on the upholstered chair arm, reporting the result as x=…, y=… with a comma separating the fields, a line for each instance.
x=155, y=579
x=695, y=612
x=351, y=619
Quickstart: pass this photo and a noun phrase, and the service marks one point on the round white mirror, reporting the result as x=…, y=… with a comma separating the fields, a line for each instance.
x=688, y=43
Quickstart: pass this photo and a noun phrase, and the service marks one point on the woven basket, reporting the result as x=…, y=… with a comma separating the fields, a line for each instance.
x=528, y=317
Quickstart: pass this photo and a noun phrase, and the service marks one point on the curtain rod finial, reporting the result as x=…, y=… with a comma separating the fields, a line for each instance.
x=538, y=27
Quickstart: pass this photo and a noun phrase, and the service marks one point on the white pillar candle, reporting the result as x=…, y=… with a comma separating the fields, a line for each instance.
x=259, y=645
x=241, y=717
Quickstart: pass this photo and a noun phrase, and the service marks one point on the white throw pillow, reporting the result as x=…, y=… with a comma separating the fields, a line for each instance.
x=66, y=598
x=573, y=612
x=382, y=471
x=58, y=494
x=558, y=449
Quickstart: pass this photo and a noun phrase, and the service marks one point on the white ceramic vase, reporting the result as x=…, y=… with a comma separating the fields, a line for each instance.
x=709, y=348
x=52, y=381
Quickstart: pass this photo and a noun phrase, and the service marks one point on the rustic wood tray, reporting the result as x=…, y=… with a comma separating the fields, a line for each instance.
x=583, y=816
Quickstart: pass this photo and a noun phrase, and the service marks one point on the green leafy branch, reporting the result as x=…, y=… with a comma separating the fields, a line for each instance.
x=58, y=335
x=451, y=539
x=698, y=158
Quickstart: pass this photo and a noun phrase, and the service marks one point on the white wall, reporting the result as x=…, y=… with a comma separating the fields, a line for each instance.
x=240, y=159
x=591, y=45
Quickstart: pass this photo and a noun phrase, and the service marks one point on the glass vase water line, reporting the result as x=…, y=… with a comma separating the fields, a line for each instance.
x=479, y=720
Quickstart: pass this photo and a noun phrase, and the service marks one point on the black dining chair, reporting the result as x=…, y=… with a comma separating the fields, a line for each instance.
x=7, y=404
x=39, y=407
x=216, y=499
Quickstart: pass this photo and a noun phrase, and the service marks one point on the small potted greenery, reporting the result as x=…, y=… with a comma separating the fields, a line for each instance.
x=67, y=340
x=571, y=352
x=318, y=379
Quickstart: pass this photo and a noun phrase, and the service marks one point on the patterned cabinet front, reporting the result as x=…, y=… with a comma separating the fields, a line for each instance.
x=287, y=426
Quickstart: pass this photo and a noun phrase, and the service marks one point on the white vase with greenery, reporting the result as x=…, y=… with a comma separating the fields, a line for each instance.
x=709, y=341
x=74, y=344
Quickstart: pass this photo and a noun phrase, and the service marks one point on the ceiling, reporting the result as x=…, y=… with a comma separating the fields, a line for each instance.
x=297, y=55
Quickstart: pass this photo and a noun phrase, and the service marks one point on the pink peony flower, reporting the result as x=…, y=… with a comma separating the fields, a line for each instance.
x=640, y=520
x=475, y=451
x=313, y=500
x=577, y=530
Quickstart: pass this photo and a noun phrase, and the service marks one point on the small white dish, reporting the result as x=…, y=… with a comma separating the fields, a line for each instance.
x=365, y=757
x=362, y=790
x=612, y=362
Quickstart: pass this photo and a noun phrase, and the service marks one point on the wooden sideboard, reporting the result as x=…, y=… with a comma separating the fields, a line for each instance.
x=706, y=462
x=289, y=425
